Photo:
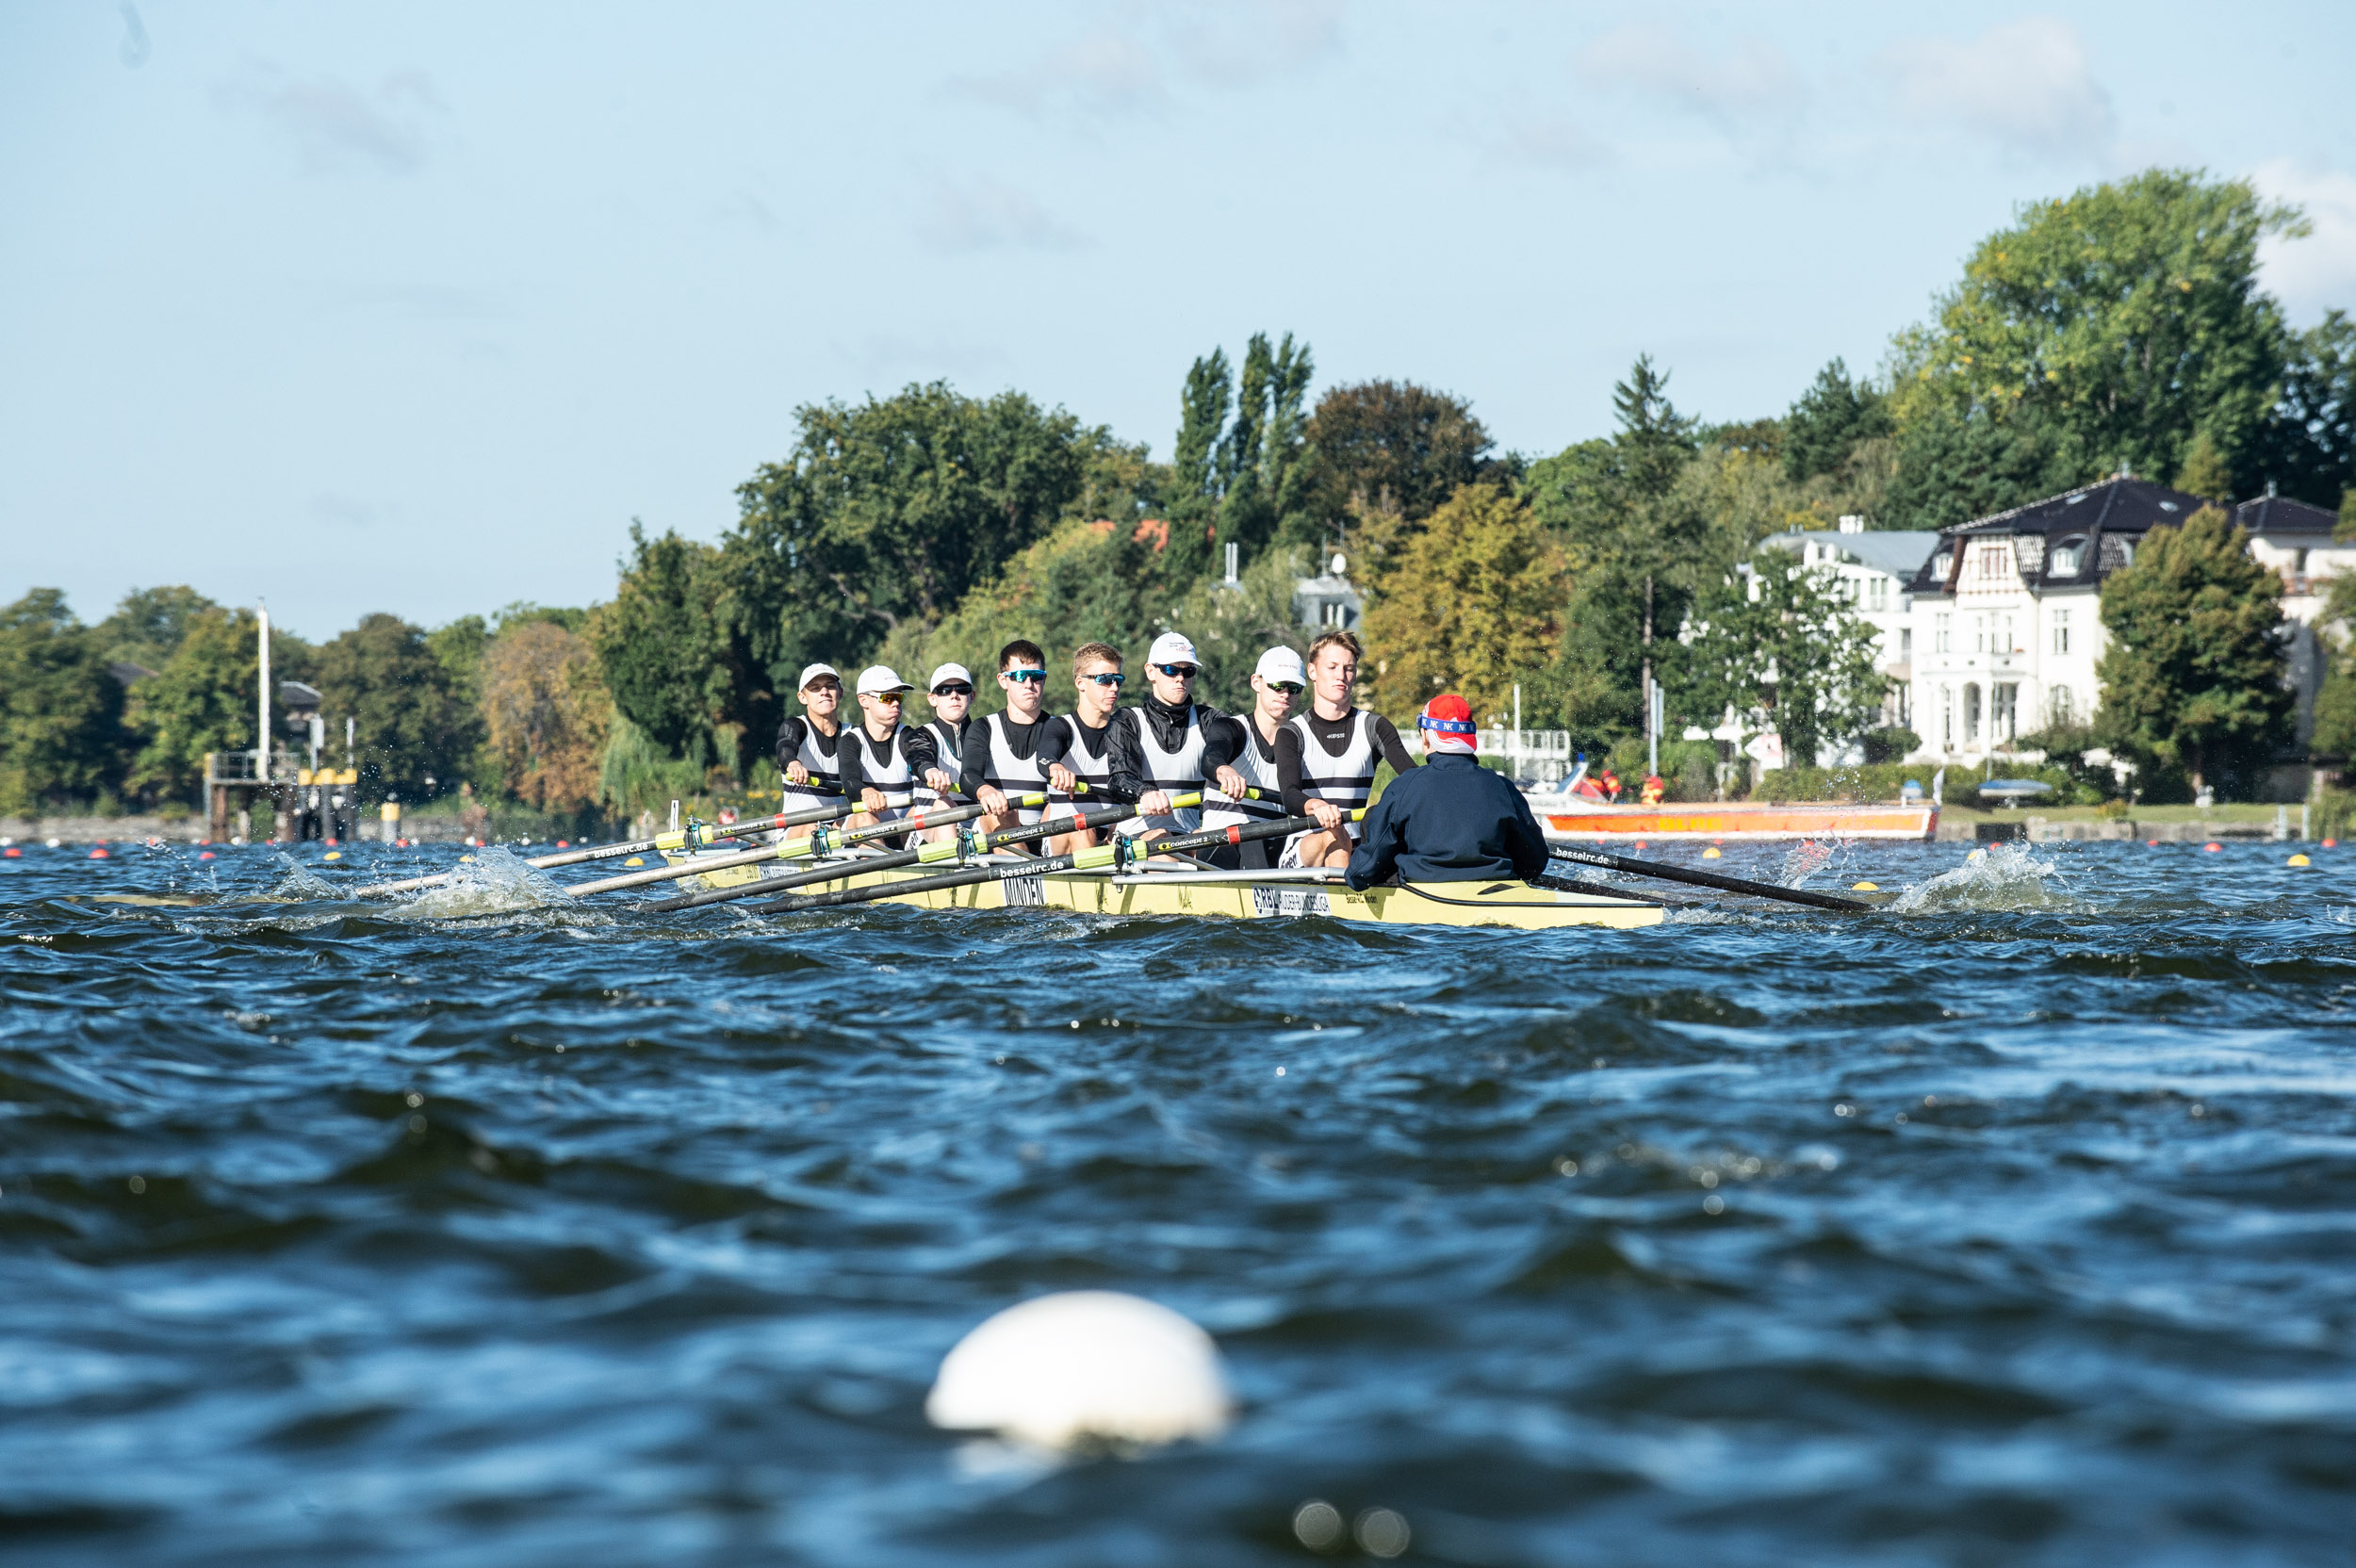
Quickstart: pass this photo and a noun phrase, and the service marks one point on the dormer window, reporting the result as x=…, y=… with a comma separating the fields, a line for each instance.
x=1942, y=564
x=2068, y=556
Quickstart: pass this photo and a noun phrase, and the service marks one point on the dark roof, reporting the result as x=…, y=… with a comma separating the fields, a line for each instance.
x=125, y=672
x=2282, y=514
x=297, y=696
x=2122, y=509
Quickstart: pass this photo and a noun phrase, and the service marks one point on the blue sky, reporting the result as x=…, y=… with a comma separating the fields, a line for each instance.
x=413, y=308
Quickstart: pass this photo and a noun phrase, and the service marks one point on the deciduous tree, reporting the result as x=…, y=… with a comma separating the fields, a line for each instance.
x=409, y=719
x=60, y=712
x=2194, y=673
x=1388, y=449
x=202, y=698
x=1781, y=647
x=1474, y=605
x=546, y=713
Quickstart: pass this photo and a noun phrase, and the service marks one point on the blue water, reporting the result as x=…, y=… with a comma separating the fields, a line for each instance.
x=2015, y=1225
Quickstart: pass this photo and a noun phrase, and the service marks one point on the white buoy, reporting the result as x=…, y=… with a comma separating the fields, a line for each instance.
x=1083, y=1364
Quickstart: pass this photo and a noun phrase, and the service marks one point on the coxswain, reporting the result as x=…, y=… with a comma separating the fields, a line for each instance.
x=883, y=757
x=1078, y=745
x=807, y=744
x=951, y=692
x=1002, y=751
x=1326, y=757
x=1157, y=745
x=1451, y=820
x=1241, y=756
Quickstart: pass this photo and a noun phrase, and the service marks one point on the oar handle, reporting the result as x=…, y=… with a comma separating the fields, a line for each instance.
x=1707, y=879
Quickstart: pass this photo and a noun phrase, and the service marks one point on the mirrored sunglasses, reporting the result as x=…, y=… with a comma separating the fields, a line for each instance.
x=894, y=697
x=1178, y=672
x=1038, y=675
x=1112, y=679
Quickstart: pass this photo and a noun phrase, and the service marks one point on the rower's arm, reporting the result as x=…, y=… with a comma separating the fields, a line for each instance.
x=1121, y=753
x=1288, y=772
x=789, y=742
x=976, y=761
x=921, y=750
x=1223, y=742
x=1393, y=749
x=1525, y=841
x=852, y=759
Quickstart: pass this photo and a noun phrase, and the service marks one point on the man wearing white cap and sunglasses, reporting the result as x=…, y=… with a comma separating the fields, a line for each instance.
x=1158, y=746
x=883, y=758
x=951, y=692
x=1241, y=756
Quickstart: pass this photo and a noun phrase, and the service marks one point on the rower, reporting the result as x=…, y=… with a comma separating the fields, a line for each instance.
x=1158, y=746
x=807, y=744
x=1451, y=820
x=1077, y=746
x=1243, y=757
x=884, y=756
x=951, y=690
x=1327, y=757
x=1002, y=753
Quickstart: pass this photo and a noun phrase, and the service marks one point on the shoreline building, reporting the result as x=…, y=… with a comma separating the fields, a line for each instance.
x=1876, y=569
x=2006, y=610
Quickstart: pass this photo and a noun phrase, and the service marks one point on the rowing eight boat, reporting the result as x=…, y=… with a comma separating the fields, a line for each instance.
x=1251, y=896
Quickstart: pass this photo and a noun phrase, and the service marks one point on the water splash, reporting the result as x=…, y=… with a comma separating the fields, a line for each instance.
x=296, y=884
x=2005, y=876
x=496, y=882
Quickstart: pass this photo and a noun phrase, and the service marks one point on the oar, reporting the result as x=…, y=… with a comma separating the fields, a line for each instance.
x=678, y=839
x=1114, y=856
x=821, y=842
x=1707, y=879
x=924, y=855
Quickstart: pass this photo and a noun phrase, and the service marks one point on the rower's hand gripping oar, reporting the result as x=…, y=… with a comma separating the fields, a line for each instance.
x=1707, y=879
x=693, y=836
x=967, y=843
x=1115, y=856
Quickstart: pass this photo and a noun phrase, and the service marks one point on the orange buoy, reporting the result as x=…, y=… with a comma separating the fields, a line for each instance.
x=100, y=855
x=206, y=856
x=2211, y=847
x=2151, y=844
x=13, y=853
x=2331, y=843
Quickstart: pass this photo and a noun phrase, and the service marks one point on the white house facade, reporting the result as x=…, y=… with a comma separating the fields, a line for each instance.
x=1875, y=570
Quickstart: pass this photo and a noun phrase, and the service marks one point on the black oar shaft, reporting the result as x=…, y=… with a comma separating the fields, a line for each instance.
x=1706, y=879
x=914, y=822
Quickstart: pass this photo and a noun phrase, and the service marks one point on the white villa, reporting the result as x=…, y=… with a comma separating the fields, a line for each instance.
x=2006, y=610
x=1875, y=569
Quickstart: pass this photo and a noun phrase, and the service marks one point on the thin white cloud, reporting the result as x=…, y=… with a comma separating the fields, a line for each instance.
x=2313, y=273
x=1119, y=72
x=334, y=125
x=2027, y=86
x=1754, y=81
x=987, y=215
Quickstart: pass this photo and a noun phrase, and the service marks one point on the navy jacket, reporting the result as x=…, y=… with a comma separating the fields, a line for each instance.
x=1451, y=820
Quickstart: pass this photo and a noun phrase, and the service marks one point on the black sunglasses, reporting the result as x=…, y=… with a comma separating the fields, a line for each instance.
x=953, y=690
x=1290, y=688
x=1179, y=672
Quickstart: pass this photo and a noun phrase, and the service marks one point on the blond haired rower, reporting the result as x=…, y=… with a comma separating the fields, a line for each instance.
x=1077, y=747
x=1326, y=757
x=1002, y=754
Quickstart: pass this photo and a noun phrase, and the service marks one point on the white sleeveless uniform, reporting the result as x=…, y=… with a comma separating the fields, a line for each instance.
x=1091, y=768
x=952, y=760
x=1003, y=771
x=1347, y=780
x=1258, y=766
x=885, y=766
x=1172, y=770
x=823, y=769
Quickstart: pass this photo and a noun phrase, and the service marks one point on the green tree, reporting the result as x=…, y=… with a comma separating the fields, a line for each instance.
x=1387, y=449
x=674, y=657
x=889, y=512
x=2204, y=473
x=410, y=719
x=1955, y=465
x=204, y=698
x=1780, y=646
x=2194, y=673
x=60, y=710
x=1636, y=542
x=149, y=624
x=2122, y=319
x=1087, y=582
x=1232, y=626
x=2312, y=447
x=1199, y=466
x=545, y=713
x=1474, y=606
x=1830, y=418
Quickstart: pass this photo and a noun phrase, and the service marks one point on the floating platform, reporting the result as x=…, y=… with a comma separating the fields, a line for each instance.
x=1590, y=821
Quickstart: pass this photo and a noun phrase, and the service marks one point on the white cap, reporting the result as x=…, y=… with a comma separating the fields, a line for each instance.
x=948, y=672
x=1171, y=648
x=1281, y=663
x=878, y=678
x=811, y=672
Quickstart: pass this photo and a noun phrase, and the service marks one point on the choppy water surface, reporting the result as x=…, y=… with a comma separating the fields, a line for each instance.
x=2015, y=1225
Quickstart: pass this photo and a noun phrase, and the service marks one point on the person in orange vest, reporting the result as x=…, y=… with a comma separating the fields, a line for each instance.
x=1608, y=782
x=1653, y=792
